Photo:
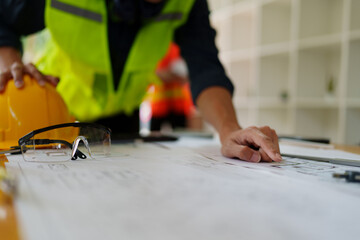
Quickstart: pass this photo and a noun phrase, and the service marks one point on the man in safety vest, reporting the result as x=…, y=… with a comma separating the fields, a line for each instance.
x=105, y=54
x=170, y=100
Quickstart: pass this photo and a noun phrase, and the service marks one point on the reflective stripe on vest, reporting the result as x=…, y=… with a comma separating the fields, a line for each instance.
x=79, y=54
x=76, y=10
x=169, y=16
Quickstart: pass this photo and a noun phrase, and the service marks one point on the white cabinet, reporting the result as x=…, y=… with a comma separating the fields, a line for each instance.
x=320, y=17
x=295, y=64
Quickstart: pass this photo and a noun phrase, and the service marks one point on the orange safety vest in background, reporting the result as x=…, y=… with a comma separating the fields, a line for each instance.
x=170, y=97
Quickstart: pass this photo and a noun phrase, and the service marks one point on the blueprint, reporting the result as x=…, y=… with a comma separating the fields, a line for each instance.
x=183, y=190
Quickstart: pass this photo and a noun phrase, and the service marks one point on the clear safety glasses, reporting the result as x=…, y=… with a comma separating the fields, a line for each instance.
x=63, y=142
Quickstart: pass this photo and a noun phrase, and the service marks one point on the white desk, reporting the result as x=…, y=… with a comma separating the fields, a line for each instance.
x=184, y=190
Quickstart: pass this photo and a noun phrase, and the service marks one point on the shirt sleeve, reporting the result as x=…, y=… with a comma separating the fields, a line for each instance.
x=196, y=39
x=20, y=18
x=7, y=37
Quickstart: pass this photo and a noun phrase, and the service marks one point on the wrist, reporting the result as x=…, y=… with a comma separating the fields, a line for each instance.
x=226, y=129
x=8, y=56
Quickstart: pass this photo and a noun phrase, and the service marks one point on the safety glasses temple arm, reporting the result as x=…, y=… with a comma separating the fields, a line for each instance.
x=64, y=125
x=11, y=151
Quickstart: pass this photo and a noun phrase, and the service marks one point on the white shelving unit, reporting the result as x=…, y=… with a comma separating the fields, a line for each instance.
x=295, y=64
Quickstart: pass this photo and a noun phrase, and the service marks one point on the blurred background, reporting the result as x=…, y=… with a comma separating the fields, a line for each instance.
x=295, y=64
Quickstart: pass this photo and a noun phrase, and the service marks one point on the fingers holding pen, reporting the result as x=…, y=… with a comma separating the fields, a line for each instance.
x=241, y=152
x=253, y=144
x=272, y=134
x=268, y=144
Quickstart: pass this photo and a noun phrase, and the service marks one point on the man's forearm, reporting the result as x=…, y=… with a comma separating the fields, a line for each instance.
x=216, y=107
x=251, y=144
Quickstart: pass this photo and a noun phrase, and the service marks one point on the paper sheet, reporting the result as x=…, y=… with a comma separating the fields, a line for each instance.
x=183, y=190
x=329, y=155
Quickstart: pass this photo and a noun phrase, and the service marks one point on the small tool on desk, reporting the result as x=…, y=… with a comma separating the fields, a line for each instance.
x=350, y=176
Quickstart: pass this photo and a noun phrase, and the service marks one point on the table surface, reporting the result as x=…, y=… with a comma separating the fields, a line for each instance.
x=347, y=148
x=9, y=223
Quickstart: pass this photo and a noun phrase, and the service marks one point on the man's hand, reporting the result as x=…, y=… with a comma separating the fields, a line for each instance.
x=252, y=144
x=11, y=67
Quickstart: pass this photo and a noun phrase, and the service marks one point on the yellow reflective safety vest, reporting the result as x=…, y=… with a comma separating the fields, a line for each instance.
x=78, y=53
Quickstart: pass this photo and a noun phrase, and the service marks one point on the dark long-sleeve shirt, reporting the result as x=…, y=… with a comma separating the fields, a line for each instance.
x=195, y=38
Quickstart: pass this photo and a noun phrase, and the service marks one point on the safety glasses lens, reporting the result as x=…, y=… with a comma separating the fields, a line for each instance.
x=58, y=144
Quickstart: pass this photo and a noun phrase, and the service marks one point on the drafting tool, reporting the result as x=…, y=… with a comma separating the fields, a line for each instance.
x=322, y=155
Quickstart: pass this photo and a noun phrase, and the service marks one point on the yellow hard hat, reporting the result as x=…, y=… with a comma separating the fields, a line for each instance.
x=29, y=108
